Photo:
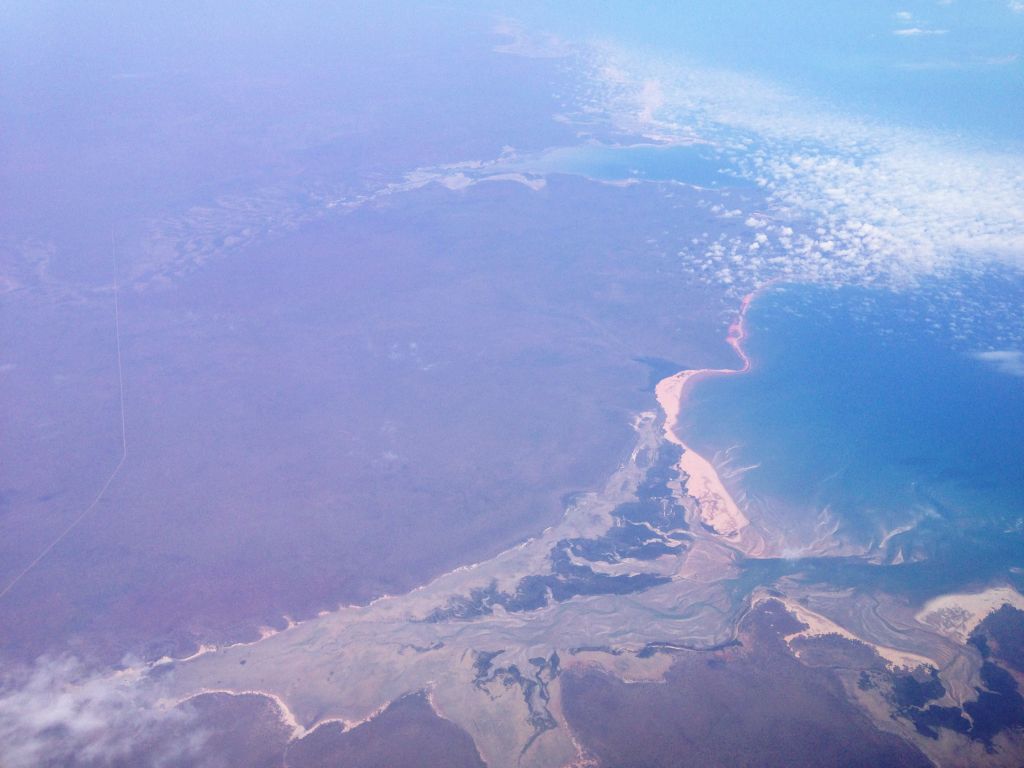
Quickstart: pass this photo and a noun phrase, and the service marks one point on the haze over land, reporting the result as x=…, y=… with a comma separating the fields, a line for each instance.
x=459, y=386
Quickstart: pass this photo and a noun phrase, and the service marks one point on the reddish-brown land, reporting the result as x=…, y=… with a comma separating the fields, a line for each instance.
x=752, y=706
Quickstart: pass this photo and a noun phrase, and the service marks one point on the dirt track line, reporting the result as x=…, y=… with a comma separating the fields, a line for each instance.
x=124, y=440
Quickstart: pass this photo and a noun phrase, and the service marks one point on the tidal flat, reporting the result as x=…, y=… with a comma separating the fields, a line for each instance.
x=491, y=643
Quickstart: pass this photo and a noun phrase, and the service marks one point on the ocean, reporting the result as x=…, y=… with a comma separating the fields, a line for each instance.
x=863, y=423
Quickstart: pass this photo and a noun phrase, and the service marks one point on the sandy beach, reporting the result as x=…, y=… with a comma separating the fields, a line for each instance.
x=822, y=626
x=718, y=510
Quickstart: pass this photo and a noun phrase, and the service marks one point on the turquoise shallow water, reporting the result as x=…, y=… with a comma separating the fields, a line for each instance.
x=859, y=407
x=698, y=165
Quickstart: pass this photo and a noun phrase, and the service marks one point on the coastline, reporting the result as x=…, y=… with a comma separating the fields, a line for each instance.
x=817, y=625
x=716, y=507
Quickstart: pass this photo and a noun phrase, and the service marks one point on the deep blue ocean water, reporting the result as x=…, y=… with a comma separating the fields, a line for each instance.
x=861, y=407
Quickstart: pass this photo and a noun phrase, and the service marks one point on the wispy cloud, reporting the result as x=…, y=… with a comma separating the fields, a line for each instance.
x=60, y=714
x=918, y=32
x=1009, y=361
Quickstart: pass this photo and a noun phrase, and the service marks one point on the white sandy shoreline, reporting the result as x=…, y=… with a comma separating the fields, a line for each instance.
x=718, y=510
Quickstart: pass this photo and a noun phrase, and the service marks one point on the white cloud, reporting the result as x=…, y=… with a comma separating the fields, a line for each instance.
x=58, y=713
x=904, y=15
x=849, y=200
x=918, y=32
x=1009, y=361
x=1017, y=6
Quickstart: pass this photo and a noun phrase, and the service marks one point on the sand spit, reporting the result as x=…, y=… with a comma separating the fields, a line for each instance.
x=957, y=615
x=717, y=508
x=822, y=626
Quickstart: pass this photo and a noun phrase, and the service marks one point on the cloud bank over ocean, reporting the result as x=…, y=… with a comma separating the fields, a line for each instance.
x=850, y=200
